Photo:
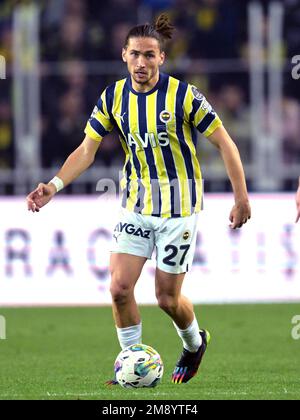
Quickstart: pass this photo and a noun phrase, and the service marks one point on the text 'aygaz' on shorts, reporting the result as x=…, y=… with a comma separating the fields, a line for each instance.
x=173, y=238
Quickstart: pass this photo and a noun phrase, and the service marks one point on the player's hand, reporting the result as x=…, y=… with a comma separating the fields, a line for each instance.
x=40, y=197
x=240, y=214
x=298, y=205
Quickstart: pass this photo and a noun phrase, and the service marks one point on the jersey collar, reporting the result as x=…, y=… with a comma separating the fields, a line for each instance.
x=156, y=87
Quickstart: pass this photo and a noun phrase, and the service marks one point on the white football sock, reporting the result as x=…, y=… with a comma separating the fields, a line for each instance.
x=190, y=337
x=129, y=335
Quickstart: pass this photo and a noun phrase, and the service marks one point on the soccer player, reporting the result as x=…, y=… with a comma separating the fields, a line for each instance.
x=298, y=203
x=157, y=118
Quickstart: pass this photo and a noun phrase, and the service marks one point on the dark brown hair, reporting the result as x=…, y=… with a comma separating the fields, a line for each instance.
x=162, y=31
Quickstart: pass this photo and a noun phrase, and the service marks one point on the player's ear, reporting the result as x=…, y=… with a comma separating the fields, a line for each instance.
x=124, y=55
x=162, y=58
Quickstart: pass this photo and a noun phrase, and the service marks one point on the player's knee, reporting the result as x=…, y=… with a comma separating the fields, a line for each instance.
x=167, y=303
x=120, y=291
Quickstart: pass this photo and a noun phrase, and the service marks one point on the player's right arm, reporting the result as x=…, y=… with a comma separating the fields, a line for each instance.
x=77, y=163
x=98, y=126
x=298, y=203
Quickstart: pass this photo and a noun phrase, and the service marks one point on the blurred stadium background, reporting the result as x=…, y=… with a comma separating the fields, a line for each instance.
x=58, y=57
x=60, y=54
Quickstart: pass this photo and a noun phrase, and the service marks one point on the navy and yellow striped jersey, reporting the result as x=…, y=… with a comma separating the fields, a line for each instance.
x=158, y=132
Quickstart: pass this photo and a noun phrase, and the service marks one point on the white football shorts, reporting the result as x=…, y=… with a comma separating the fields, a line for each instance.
x=173, y=238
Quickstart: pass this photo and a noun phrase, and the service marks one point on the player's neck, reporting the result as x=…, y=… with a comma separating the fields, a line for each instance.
x=144, y=88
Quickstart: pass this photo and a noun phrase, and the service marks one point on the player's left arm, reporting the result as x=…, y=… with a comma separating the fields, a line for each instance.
x=298, y=203
x=241, y=211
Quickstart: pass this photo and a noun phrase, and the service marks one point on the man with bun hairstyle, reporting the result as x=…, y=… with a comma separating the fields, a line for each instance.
x=157, y=118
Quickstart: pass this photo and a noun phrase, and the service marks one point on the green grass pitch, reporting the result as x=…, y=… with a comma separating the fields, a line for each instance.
x=68, y=353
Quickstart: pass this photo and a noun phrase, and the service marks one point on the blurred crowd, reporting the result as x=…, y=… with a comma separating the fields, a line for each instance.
x=78, y=34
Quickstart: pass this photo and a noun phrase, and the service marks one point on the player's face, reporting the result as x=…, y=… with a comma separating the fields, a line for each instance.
x=143, y=57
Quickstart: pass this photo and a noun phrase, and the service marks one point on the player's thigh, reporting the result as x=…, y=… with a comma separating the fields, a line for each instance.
x=125, y=270
x=175, y=244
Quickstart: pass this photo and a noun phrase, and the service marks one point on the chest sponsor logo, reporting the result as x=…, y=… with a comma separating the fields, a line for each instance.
x=142, y=142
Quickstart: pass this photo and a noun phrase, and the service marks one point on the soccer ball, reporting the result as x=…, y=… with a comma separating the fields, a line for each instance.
x=138, y=366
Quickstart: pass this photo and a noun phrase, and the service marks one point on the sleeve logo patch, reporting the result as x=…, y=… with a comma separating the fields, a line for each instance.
x=94, y=113
x=197, y=94
x=206, y=106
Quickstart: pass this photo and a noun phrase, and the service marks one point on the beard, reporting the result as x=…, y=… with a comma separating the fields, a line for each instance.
x=142, y=80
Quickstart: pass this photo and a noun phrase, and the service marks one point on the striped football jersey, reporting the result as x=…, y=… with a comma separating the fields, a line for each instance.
x=158, y=132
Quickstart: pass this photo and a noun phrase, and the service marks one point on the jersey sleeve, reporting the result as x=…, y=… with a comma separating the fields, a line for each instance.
x=99, y=124
x=203, y=116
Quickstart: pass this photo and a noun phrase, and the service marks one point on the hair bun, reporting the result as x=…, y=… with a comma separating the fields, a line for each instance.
x=164, y=27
